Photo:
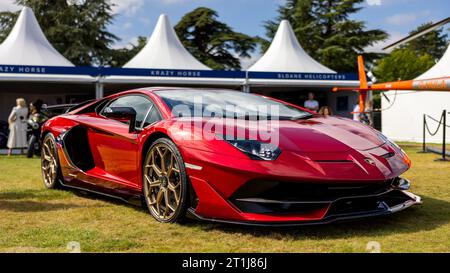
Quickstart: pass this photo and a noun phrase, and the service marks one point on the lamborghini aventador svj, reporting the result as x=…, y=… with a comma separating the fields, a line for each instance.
x=225, y=156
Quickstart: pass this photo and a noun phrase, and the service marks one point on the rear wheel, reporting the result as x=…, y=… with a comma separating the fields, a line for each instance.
x=165, y=182
x=51, y=172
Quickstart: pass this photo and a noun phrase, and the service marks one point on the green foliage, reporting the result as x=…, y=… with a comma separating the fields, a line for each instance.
x=433, y=43
x=212, y=42
x=403, y=64
x=78, y=31
x=326, y=32
x=121, y=56
x=414, y=58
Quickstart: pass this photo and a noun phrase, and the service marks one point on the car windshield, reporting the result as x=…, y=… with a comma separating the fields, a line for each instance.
x=227, y=104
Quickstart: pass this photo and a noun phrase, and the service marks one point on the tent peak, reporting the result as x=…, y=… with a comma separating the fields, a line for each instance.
x=26, y=44
x=164, y=50
x=285, y=54
x=440, y=69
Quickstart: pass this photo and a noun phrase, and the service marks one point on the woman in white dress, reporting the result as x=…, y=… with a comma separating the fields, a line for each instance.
x=18, y=126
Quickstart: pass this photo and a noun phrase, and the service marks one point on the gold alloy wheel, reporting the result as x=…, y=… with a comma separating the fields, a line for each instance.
x=163, y=181
x=49, y=162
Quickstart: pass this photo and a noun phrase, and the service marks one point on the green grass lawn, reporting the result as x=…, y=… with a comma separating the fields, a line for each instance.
x=33, y=219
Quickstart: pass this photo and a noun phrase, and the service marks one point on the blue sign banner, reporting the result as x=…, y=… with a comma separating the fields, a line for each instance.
x=114, y=71
x=52, y=70
x=139, y=72
x=304, y=76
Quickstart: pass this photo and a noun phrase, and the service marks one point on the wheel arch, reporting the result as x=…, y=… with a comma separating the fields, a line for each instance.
x=149, y=141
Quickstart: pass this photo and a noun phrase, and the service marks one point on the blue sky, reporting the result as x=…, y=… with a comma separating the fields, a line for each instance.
x=138, y=17
x=397, y=17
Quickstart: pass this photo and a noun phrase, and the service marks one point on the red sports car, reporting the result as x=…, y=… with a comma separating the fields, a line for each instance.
x=225, y=156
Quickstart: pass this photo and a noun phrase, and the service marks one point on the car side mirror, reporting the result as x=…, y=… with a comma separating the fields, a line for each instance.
x=122, y=114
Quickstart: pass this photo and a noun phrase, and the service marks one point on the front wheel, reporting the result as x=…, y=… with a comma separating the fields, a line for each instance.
x=165, y=182
x=51, y=172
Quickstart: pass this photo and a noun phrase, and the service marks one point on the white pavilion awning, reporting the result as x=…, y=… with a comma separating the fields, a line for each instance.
x=165, y=51
x=441, y=69
x=286, y=63
x=26, y=52
x=287, y=55
x=164, y=60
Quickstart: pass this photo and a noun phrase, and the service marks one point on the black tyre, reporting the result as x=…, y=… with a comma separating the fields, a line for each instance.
x=164, y=182
x=51, y=170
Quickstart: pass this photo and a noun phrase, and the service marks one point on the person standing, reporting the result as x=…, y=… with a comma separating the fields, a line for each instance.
x=325, y=111
x=356, y=112
x=18, y=126
x=311, y=103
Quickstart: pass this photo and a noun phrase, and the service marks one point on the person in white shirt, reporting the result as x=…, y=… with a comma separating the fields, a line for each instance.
x=356, y=112
x=18, y=126
x=311, y=103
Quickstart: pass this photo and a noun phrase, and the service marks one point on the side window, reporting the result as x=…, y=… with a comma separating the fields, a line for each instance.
x=152, y=117
x=140, y=104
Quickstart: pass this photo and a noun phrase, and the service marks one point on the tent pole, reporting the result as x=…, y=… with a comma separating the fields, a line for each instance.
x=246, y=88
x=99, y=90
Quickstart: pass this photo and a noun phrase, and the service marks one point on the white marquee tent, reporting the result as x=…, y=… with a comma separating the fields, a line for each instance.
x=402, y=117
x=164, y=50
x=286, y=54
x=27, y=45
x=26, y=56
x=293, y=69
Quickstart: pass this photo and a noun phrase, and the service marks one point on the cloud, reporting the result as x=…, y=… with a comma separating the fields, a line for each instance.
x=8, y=5
x=129, y=7
x=401, y=18
x=373, y=2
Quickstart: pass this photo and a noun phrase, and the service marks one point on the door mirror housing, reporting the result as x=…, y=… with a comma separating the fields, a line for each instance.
x=122, y=114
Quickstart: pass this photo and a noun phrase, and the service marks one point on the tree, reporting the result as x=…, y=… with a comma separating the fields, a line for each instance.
x=326, y=32
x=77, y=29
x=121, y=56
x=212, y=42
x=433, y=43
x=403, y=64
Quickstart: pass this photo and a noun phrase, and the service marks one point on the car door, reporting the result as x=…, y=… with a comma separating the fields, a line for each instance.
x=115, y=150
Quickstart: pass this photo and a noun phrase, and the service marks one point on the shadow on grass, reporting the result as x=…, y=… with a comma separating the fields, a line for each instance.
x=41, y=194
x=432, y=214
x=17, y=200
x=34, y=206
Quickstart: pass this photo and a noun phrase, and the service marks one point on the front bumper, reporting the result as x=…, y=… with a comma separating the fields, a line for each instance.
x=258, y=208
x=234, y=190
x=383, y=210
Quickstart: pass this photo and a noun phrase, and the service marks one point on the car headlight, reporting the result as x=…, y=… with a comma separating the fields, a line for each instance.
x=397, y=148
x=392, y=143
x=256, y=149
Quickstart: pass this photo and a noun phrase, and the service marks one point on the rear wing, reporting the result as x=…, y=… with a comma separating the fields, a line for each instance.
x=59, y=109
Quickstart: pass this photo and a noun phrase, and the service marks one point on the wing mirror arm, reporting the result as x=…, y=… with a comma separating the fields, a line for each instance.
x=123, y=114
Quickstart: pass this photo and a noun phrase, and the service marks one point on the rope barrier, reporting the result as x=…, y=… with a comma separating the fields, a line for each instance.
x=437, y=129
x=442, y=121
